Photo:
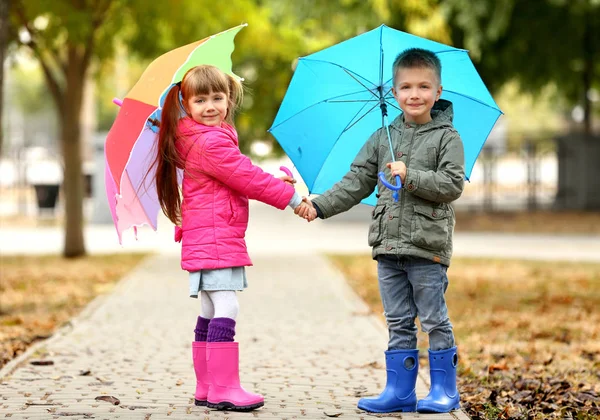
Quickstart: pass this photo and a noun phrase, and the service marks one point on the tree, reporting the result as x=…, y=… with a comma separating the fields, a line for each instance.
x=4, y=9
x=555, y=36
x=539, y=43
x=66, y=38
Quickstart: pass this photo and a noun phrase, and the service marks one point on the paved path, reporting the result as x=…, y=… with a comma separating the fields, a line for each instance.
x=307, y=342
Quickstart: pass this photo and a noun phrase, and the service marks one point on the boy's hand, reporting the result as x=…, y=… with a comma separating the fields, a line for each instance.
x=288, y=179
x=306, y=210
x=398, y=168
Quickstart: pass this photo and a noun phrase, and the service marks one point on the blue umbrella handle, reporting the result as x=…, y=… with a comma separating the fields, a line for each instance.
x=392, y=187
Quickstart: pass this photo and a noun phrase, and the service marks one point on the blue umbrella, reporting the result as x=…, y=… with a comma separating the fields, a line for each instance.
x=340, y=95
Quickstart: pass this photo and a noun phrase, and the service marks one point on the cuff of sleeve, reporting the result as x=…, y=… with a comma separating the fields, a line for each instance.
x=295, y=200
x=323, y=206
x=319, y=212
x=411, y=182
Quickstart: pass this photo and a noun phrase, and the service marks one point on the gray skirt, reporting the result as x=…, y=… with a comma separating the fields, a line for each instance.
x=233, y=278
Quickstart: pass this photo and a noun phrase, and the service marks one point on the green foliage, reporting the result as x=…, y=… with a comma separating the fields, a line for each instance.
x=536, y=42
x=499, y=34
x=30, y=92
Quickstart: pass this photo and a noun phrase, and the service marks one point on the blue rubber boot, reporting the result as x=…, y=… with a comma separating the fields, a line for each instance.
x=443, y=395
x=399, y=393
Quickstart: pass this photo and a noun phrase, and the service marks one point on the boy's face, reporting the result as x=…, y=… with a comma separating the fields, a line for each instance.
x=416, y=90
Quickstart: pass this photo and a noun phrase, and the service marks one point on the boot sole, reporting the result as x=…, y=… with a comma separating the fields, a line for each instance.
x=437, y=411
x=232, y=407
x=409, y=409
x=201, y=403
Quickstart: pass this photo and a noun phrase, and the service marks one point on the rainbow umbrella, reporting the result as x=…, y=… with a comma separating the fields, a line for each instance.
x=130, y=146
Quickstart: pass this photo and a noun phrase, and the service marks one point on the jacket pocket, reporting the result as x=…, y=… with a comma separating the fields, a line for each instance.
x=376, y=228
x=429, y=228
x=233, y=208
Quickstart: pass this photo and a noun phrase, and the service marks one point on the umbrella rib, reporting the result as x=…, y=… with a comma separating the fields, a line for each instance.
x=359, y=82
x=332, y=100
x=352, y=124
x=393, y=105
x=354, y=100
x=350, y=73
x=465, y=96
x=385, y=96
x=473, y=99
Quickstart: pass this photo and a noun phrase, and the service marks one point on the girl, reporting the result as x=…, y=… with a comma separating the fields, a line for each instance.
x=197, y=135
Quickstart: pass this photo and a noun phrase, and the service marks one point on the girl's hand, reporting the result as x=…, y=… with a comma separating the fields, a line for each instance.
x=288, y=179
x=398, y=168
x=306, y=210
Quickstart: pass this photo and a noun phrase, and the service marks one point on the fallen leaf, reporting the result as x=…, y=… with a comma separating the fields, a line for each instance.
x=109, y=399
x=41, y=362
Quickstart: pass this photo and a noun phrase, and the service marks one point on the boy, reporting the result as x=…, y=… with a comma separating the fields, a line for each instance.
x=411, y=238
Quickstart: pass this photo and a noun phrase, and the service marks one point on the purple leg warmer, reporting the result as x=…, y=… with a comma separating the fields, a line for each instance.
x=201, y=330
x=221, y=329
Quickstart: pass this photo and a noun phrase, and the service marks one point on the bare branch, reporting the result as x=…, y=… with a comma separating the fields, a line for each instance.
x=100, y=15
x=51, y=79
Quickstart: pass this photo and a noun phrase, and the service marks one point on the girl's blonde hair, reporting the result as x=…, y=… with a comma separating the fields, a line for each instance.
x=199, y=80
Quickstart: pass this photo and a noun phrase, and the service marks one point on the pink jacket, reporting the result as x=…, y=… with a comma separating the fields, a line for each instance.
x=217, y=183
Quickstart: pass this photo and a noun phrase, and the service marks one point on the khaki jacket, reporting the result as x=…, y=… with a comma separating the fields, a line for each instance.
x=422, y=222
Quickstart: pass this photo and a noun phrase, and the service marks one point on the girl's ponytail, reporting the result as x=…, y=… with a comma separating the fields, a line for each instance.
x=236, y=94
x=167, y=159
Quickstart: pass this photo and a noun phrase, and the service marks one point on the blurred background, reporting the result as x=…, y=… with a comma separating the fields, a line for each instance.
x=529, y=331
x=63, y=64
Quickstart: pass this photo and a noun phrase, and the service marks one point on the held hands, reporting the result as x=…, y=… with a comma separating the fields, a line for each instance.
x=398, y=168
x=306, y=210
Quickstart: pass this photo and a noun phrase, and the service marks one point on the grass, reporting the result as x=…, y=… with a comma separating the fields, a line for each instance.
x=541, y=222
x=41, y=293
x=528, y=334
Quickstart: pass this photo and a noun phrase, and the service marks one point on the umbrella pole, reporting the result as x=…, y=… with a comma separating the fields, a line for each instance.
x=398, y=186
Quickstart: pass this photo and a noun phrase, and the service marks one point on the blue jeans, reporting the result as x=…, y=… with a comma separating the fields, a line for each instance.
x=411, y=287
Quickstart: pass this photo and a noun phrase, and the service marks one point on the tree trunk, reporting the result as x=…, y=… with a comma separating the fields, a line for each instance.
x=578, y=173
x=588, y=73
x=73, y=184
x=4, y=6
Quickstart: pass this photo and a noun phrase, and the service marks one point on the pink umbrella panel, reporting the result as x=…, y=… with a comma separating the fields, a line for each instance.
x=137, y=202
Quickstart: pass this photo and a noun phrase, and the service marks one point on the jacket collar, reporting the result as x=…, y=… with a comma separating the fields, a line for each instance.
x=442, y=114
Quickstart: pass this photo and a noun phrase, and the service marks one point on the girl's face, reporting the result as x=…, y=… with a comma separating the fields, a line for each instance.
x=416, y=90
x=209, y=110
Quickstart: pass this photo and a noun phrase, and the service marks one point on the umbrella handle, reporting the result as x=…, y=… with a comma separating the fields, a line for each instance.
x=392, y=187
x=286, y=171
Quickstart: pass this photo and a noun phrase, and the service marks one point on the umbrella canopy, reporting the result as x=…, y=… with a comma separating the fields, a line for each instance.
x=332, y=104
x=130, y=146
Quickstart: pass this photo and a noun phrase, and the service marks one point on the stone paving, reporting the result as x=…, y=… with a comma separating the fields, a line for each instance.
x=307, y=342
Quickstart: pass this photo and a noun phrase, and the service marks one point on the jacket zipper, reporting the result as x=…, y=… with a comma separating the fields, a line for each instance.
x=403, y=192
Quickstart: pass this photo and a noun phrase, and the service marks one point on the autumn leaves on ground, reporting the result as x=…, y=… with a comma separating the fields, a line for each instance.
x=40, y=294
x=528, y=334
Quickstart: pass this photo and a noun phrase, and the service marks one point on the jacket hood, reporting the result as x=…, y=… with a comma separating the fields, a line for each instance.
x=442, y=114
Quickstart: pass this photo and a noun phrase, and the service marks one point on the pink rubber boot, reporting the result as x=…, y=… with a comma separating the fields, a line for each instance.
x=202, y=378
x=225, y=391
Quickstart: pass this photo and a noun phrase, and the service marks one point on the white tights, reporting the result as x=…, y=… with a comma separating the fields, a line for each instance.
x=219, y=304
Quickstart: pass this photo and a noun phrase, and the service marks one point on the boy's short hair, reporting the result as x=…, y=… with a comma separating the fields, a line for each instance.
x=418, y=57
